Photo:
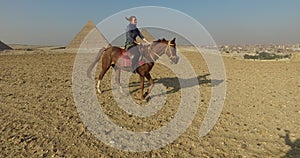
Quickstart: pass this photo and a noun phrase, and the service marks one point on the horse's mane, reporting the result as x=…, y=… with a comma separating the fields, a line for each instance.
x=161, y=40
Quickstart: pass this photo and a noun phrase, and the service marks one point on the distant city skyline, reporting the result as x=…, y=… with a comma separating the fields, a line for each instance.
x=229, y=22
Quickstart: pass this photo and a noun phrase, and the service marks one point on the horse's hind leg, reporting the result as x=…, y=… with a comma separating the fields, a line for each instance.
x=99, y=86
x=105, y=67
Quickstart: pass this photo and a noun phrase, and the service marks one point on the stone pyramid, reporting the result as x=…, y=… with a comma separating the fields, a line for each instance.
x=89, y=36
x=147, y=35
x=3, y=46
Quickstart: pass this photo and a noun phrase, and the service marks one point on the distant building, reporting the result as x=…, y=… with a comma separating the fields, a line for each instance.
x=296, y=49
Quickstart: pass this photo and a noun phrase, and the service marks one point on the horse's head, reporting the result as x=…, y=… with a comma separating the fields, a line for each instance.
x=172, y=52
x=169, y=49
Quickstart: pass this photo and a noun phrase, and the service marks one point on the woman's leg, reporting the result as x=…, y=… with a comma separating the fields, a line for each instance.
x=136, y=55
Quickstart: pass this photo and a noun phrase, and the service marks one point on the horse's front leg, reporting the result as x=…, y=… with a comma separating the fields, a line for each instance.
x=149, y=78
x=142, y=80
x=117, y=79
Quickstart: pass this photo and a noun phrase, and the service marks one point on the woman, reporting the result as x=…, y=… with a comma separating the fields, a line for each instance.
x=131, y=44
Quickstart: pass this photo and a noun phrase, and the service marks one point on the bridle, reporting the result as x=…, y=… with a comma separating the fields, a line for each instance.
x=167, y=49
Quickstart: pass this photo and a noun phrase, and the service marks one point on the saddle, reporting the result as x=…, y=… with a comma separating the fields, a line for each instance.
x=125, y=59
x=125, y=54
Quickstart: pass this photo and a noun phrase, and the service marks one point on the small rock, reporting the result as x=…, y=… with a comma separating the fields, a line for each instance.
x=244, y=146
x=278, y=128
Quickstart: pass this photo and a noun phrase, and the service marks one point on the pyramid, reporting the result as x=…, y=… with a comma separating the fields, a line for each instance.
x=3, y=46
x=147, y=35
x=95, y=37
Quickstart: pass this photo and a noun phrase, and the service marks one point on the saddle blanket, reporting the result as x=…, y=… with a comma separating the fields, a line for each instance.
x=125, y=60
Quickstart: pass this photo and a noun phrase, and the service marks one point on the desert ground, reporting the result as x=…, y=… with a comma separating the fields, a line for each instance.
x=260, y=117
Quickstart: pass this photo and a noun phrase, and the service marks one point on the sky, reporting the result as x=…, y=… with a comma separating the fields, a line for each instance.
x=56, y=22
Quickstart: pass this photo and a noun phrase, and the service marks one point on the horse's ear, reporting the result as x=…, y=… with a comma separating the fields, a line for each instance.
x=173, y=40
x=164, y=39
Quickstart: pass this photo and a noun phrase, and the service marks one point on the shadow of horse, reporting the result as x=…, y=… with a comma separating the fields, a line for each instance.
x=295, y=146
x=173, y=83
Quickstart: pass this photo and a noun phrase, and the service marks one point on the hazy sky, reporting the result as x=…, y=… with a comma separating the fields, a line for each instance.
x=56, y=22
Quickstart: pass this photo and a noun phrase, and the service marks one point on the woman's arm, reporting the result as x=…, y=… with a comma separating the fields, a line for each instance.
x=139, y=34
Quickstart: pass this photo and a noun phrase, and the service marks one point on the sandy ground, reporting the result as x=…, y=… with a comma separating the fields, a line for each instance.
x=38, y=115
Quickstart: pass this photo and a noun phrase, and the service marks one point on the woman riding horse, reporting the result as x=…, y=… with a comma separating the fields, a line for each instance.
x=131, y=44
x=112, y=55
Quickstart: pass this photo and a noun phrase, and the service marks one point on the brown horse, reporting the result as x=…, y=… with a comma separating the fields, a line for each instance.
x=113, y=56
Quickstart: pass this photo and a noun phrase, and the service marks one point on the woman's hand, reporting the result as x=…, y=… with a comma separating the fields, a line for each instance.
x=138, y=43
x=146, y=41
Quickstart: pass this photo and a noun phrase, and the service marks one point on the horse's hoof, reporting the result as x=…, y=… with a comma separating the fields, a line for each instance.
x=99, y=91
x=148, y=98
x=146, y=94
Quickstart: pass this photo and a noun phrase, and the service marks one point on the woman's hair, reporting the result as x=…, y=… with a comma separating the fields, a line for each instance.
x=130, y=18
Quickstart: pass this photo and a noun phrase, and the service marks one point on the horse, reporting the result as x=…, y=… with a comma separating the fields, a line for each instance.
x=115, y=57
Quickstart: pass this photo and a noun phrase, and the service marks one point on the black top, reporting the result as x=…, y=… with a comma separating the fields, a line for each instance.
x=132, y=32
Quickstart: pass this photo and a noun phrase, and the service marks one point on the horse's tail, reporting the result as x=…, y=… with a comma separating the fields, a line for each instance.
x=89, y=70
